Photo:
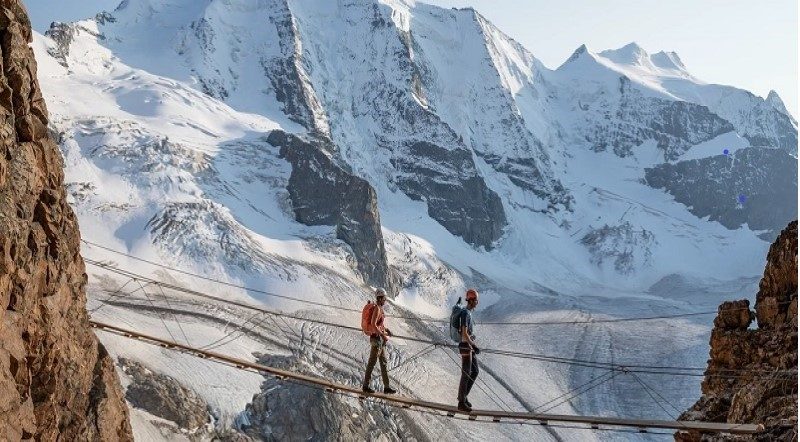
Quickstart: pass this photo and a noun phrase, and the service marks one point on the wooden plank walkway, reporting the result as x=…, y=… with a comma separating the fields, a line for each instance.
x=406, y=402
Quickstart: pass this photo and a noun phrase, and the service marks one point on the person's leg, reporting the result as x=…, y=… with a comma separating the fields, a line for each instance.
x=473, y=374
x=382, y=359
x=466, y=362
x=373, y=356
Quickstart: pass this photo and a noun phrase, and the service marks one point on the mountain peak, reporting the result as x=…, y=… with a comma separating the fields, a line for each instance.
x=582, y=49
x=632, y=47
x=774, y=100
x=667, y=60
x=660, y=63
x=631, y=53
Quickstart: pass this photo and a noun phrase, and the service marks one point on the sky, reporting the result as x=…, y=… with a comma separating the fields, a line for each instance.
x=750, y=44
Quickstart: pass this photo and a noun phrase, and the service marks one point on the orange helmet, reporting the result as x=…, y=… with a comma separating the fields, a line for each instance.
x=472, y=294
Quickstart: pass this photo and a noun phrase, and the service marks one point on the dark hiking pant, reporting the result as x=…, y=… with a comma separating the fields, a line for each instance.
x=469, y=371
x=376, y=353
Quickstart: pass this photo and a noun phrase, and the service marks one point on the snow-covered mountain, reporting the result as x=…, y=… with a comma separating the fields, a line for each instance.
x=318, y=147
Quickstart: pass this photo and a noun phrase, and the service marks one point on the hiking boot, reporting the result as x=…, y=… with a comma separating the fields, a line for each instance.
x=367, y=390
x=389, y=390
x=463, y=406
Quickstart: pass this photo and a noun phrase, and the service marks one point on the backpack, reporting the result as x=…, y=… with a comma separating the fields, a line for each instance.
x=366, y=318
x=455, y=333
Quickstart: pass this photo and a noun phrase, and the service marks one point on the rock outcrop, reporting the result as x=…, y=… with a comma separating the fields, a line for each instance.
x=325, y=193
x=752, y=374
x=163, y=396
x=456, y=194
x=634, y=118
x=57, y=382
x=316, y=415
x=624, y=245
x=734, y=189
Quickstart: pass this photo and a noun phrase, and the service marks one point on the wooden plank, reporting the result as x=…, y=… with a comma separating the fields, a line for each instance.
x=495, y=415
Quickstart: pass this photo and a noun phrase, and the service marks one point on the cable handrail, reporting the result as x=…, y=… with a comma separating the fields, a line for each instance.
x=647, y=369
x=431, y=320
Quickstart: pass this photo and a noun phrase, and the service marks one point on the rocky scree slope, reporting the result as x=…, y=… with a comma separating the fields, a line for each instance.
x=756, y=396
x=56, y=380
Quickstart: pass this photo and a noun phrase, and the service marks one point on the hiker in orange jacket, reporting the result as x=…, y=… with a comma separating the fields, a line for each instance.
x=379, y=334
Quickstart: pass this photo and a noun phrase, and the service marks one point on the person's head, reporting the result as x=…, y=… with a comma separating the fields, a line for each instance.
x=380, y=296
x=472, y=298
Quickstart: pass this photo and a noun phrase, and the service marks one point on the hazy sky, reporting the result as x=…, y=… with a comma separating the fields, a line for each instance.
x=751, y=44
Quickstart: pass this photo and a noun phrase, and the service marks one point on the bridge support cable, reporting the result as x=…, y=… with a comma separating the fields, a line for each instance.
x=174, y=315
x=433, y=320
x=155, y=309
x=652, y=393
x=238, y=328
x=599, y=378
x=657, y=394
x=417, y=355
x=478, y=415
x=673, y=371
x=584, y=390
x=112, y=295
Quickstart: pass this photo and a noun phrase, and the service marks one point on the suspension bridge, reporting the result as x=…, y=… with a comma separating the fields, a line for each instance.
x=504, y=415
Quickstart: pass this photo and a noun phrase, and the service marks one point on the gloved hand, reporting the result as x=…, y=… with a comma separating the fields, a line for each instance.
x=475, y=349
x=389, y=332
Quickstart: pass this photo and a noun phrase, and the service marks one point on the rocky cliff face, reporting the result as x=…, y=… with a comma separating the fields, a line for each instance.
x=765, y=390
x=164, y=397
x=316, y=415
x=735, y=189
x=324, y=193
x=56, y=380
x=627, y=118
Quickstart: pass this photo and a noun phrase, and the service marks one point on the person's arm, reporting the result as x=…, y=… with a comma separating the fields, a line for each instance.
x=465, y=337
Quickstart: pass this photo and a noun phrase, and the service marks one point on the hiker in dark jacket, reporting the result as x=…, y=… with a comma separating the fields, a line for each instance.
x=468, y=349
x=379, y=334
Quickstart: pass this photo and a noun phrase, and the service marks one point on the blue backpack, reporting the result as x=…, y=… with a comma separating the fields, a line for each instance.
x=455, y=333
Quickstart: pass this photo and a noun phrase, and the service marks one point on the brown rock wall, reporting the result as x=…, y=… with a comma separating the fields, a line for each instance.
x=56, y=381
x=752, y=374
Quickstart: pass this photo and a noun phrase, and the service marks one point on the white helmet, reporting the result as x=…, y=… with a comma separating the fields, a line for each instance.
x=380, y=292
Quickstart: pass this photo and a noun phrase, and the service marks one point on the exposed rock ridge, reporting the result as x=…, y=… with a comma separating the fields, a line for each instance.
x=324, y=193
x=385, y=119
x=734, y=189
x=56, y=381
x=675, y=126
x=63, y=35
x=288, y=74
x=163, y=396
x=765, y=392
x=528, y=164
